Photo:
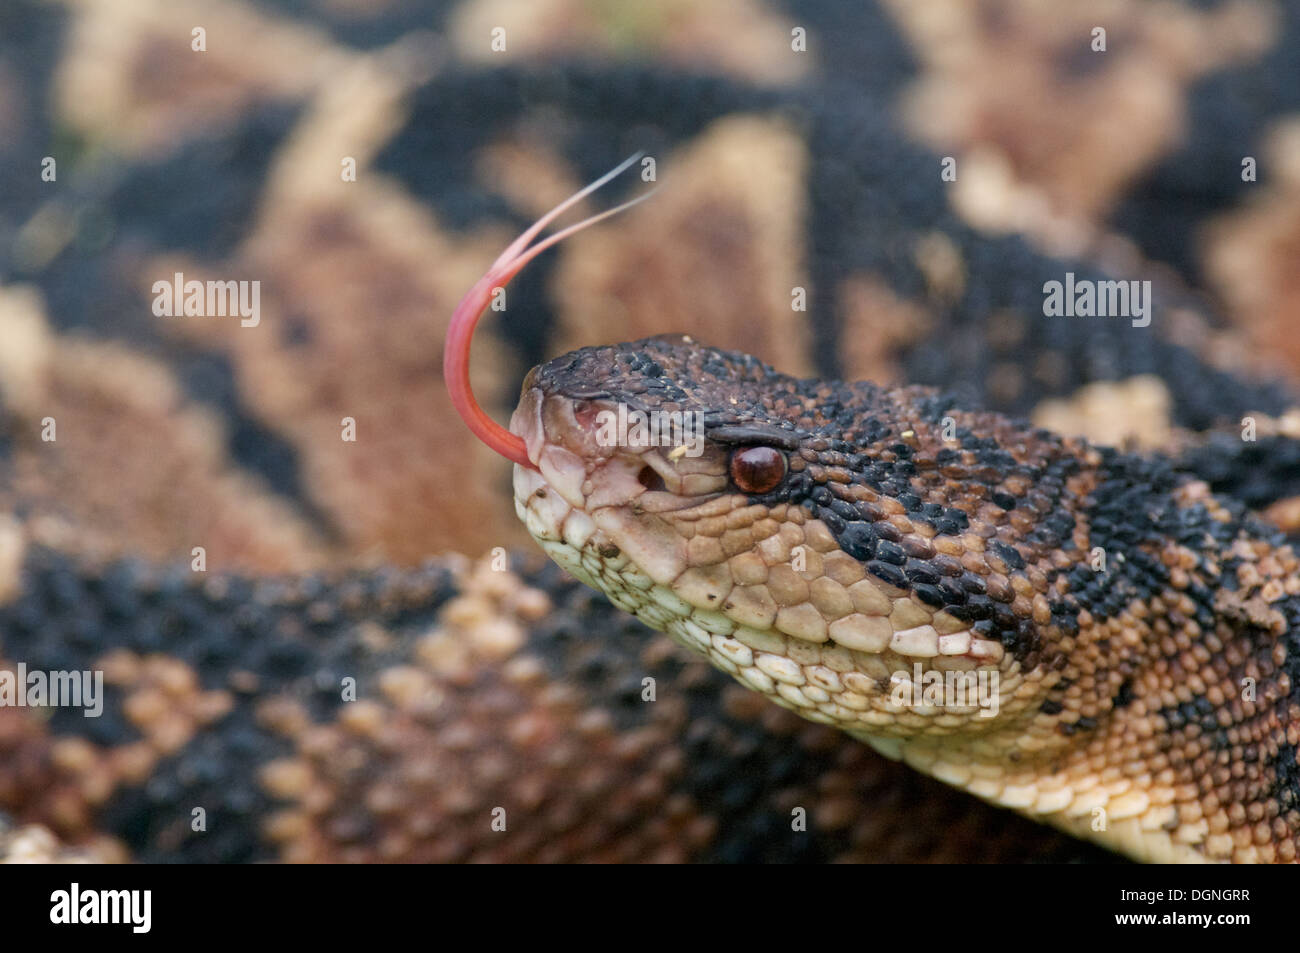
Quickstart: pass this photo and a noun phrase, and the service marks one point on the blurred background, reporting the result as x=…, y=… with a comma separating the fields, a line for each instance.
x=365, y=160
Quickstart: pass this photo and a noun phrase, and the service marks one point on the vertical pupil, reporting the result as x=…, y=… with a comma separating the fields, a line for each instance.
x=757, y=469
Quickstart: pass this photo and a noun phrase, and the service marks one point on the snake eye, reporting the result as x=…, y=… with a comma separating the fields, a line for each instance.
x=757, y=469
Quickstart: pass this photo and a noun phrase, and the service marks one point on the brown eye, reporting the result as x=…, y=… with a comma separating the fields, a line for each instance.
x=757, y=469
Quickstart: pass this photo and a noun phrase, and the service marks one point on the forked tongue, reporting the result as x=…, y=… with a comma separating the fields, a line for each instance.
x=455, y=361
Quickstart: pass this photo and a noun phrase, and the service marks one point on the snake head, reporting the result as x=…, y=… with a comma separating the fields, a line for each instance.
x=821, y=541
x=832, y=545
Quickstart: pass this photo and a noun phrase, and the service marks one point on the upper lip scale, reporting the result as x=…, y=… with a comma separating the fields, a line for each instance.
x=550, y=462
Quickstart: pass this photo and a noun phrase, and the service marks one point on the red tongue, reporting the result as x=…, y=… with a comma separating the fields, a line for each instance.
x=455, y=361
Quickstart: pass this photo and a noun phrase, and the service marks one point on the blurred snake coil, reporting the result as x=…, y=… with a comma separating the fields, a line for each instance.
x=325, y=689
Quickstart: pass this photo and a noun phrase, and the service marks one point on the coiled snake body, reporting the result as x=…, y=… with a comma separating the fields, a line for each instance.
x=836, y=546
x=1143, y=650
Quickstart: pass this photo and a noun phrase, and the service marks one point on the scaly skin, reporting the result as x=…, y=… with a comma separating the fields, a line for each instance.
x=1142, y=631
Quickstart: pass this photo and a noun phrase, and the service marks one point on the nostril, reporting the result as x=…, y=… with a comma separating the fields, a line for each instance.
x=650, y=479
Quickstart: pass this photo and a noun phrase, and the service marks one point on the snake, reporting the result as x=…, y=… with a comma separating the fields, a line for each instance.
x=328, y=691
x=1065, y=630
